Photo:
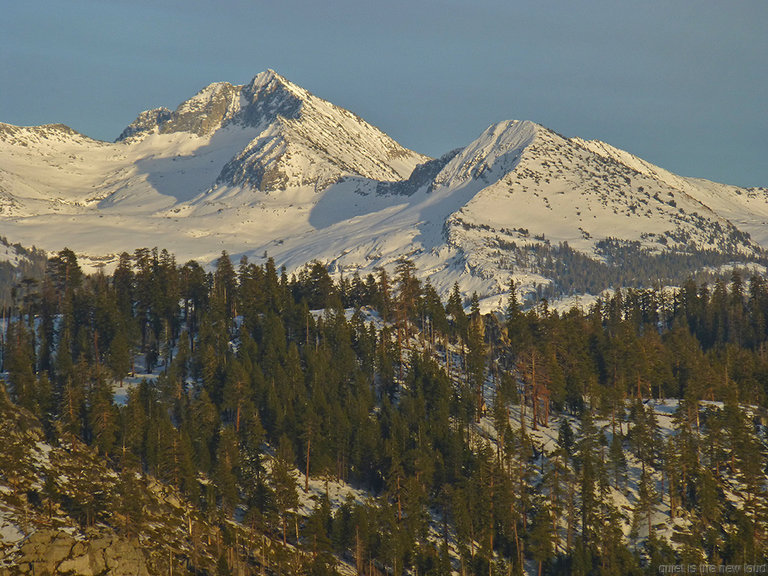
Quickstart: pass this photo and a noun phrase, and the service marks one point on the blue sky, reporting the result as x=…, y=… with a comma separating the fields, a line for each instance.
x=682, y=83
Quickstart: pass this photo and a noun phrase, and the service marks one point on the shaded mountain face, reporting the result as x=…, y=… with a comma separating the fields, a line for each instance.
x=269, y=168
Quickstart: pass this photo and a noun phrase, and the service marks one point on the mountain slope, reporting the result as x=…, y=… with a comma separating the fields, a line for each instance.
x=560, y=191
x=267, y=167
x=302, y=139
x=745, y=207
x=268, y=135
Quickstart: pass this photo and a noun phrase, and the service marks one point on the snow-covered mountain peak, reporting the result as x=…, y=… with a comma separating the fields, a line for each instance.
x=307, y=141
x=511, y=129
x=269, y=97
x=269, y=80
x=501, y=138
x=267, y=166
x=492, y=155
x=262, y=101
x=207, y=111
x=295, y=138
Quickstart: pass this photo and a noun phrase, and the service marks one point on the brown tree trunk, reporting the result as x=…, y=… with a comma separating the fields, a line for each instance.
x=306, y=475
x=534, y=392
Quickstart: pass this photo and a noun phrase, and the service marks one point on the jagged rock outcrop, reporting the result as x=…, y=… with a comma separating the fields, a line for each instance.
x=146, y=122
x=55, y=552
x=423, y=175
x=267, y=97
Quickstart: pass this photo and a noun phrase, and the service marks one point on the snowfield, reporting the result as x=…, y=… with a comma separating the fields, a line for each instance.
x=269, y=169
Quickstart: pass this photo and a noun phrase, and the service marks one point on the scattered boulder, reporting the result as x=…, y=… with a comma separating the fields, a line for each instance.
x=53, y=552
x=44, y=550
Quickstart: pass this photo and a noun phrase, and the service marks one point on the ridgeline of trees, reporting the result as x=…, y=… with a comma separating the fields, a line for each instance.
x=623, y=263
x=251, y=372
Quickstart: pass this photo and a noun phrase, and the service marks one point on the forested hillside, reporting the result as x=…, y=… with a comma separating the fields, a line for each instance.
x=20, y=270
x=243, y=421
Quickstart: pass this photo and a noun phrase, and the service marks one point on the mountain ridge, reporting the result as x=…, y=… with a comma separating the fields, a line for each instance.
x=268, y=167
x=288, y=120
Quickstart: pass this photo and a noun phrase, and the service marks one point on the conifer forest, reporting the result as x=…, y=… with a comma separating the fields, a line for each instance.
x=237, y=420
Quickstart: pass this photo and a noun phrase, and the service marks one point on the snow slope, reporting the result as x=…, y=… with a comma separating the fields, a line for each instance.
x=269, y=168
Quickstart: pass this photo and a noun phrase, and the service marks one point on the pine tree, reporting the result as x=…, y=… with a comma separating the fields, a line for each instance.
x=251, y=471
x=476, y=357
x=72, y=405
x=383, y=298
x=132, y=429
x=122, y=282
x=517, y=325
x=409, y=291
x=284, y=483
x=541, y=538
x=206, y=419
x=65, y=271
x=618, y=462
x=20, y=367
x=455, y=309
x=588, y=475
x=119, y=356
x=318, y=526
x=102, y=416
x=225, y=470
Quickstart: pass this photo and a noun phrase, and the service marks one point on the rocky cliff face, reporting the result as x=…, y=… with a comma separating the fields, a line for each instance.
x=50, y=551
x=209, y=110
x=146, y=122
x=266, y=98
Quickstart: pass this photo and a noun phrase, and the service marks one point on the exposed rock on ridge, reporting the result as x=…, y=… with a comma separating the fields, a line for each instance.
x=53, y=552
